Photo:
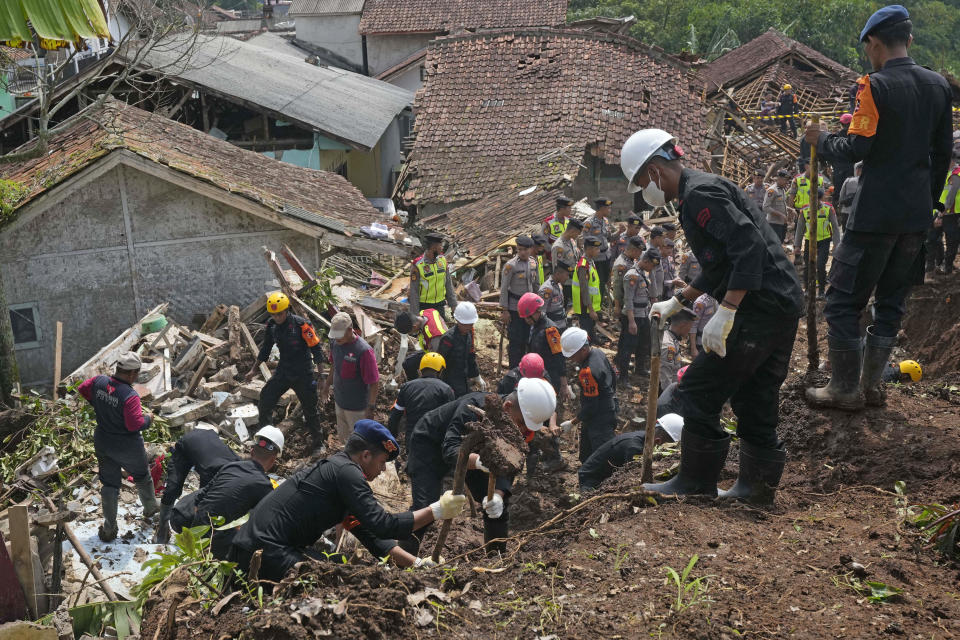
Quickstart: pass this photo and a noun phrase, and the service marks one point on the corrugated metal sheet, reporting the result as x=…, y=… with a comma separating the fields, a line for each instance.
x=345, y=106
x=325, y=7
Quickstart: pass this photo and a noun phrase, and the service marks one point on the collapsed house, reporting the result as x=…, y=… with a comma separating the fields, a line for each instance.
x=512, y=109
x=130, y=210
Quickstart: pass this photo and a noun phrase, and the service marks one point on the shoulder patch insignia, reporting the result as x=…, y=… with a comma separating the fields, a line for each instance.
x=632, y=280
x=703, y=217
x=507, y=267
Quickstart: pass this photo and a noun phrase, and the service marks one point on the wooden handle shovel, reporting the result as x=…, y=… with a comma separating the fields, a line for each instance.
x=459, y=479
x=656, y=336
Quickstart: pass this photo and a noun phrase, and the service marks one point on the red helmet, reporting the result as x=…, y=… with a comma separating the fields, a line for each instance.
x=531, y=365
x=680, y=373
x=528, y=304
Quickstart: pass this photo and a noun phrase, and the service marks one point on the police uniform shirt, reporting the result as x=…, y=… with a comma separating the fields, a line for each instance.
x=757, y=194
x=600, y=227
x=669, y=358
x=519, y=277
x=413, y=292
x=689, y=267
x=657, y=280
x=636, y=293
x=703, y=307
x=669, y=275
x=552, y=294
x=564, y=249
x=598, y=385
x=200, y=449
x=902, y=130
x=620, y=267
x=735, y=250
x=775, y=205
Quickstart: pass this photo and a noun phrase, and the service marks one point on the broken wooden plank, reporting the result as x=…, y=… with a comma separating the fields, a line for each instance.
x=189, y=412
x=104, y=360
x=160, y=336
x=84, y=556
x=190, y=358
x=57, y=360
x=208, y=340
x=310, y=312
x=235, y=338
x=252, y=344
x=215, y=319
x=367, y=326
x=20, y=549
x=205, y=364
x=296, y=265
x=254, y=309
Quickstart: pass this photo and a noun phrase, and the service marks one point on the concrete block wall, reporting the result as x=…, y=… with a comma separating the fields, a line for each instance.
x=74, y=260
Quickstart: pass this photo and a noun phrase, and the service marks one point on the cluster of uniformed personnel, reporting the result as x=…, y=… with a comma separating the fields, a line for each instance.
x=736, y=298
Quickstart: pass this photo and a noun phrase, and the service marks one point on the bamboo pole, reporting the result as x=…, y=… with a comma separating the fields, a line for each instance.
x=813, y=351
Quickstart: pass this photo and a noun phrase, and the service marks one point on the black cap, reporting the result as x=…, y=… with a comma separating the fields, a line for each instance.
x=564, y=201
x=759, y=172
x=652, y=255
x=636, y=241
x=783, y=173
x=524, y=241
x=669, y=226
x=576, y=224
x=820, y=192
x=667, y=242
x=540, y=239
x=592, y=241
x=566, y=266
x=683, y=314
x=602, y=202
x=634, y=218
x=656, y=231
x=403, y=322
x=432, y=238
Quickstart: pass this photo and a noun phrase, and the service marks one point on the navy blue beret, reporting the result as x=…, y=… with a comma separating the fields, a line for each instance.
x=890, y=14
x=375, y=433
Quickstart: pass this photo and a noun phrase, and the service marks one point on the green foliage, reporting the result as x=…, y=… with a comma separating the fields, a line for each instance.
x=92, y=619
x=11, y=193
x=690, y=591
x=832, y=27
x=940, y=527
x=320, y=295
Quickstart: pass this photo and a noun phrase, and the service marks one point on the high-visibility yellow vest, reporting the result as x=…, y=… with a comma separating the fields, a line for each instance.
x=946, y=191
x=540, y=269
x=824, y=230
x=593, y=286
x=802, y=198
x=433, y=280
x=556, y=227
x=434, y=327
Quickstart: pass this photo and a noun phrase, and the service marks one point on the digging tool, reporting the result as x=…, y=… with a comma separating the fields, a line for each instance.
x=656, y=336
x=491, y=477
x=813, y=351
x=459, y=479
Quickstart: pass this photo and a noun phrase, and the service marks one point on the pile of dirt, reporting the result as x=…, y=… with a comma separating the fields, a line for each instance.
x=931, y=328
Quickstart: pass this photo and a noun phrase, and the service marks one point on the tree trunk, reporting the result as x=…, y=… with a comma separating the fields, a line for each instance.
x=9, y=375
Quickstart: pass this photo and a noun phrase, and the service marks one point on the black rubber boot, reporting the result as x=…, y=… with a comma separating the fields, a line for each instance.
x=109, y=497
x=162, y=535
x=148, y=496
x=701, y=461
x=876, y=353
x=843, y=390
x=760, y=471
x=493, y=529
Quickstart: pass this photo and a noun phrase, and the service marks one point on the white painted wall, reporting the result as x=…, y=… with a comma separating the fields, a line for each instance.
x=384, y=52
x=338, y=34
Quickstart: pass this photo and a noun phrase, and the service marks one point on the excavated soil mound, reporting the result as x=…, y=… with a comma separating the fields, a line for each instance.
x=933, y=330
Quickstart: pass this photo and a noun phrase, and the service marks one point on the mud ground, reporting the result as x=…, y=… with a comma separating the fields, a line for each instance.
x=595, y=565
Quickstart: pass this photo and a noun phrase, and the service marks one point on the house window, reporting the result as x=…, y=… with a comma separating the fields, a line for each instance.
x=25, y=321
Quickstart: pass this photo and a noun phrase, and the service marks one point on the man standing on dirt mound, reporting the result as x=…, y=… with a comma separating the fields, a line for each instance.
x=748, y=341
x=901, y=129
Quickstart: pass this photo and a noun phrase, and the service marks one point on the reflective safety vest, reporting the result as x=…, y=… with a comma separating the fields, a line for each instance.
x=823, y=222
x=946, y=191
x=434, y=327
x=556, y=227
x=540, y=269
x=593, y=286
x=802, y=198
x=433, y=280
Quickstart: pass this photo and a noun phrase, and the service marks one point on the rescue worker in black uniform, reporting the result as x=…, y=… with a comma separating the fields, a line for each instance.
x=335, y=490
x=200, y=449
x=622, y=449
x=435, y=446
x=902, y=131
x=236, y=489
x=420, y=395
x=459, y=352
x=598, y=384
x=749, y=340
x=298, y=343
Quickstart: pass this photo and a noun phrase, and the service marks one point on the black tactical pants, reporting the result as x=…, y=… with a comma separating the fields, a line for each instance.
x=517, y=333
x=305, y=386
x=595, y=429
x=119, y=451
x=634, y=345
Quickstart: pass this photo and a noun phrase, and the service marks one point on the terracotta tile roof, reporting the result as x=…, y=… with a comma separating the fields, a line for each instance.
x=512, y=109
x=761, y=51
x=444, y=16
x=317, y=197
x=13, y=54
x=483, y=225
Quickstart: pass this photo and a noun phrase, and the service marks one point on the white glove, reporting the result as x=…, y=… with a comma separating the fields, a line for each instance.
x=665, y=309
x=494, y=508
x=448, y=506
x=426, y=563
x=480, y=466
x=566, y=425
x=479, y=384
x=717, y=329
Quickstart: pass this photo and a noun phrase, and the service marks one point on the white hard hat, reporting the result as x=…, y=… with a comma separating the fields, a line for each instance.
x=572, y=341
x=465, y=313
x=537, y=401
x=638, y=149
x=272, y=435
x=672, y=423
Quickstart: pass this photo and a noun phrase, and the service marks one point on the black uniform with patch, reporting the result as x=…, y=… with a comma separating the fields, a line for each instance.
x=611, y=454
x=598, y=402
x=461, y=357
x=415, y=399
x=295, y=369
x=200, y=449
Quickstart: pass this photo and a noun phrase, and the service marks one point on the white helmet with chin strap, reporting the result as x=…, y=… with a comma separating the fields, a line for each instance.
x=639, y=148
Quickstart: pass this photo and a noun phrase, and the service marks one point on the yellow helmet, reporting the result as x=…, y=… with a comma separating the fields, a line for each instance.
x=912, y=368
x=433, y=360
x=787, y=87
x=277, y=302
